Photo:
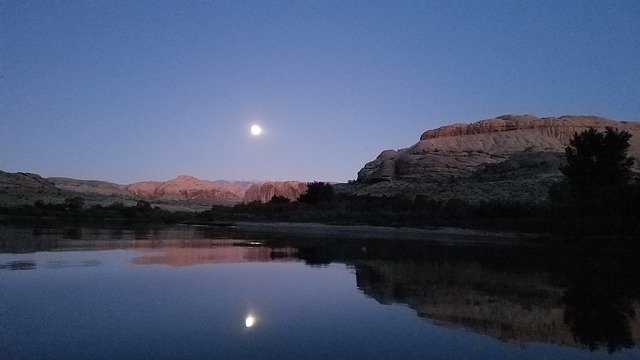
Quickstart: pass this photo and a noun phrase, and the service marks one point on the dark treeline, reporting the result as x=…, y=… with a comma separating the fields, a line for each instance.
x=389, y=211
x=74, y=210
x=619, y=218
x=611, y=216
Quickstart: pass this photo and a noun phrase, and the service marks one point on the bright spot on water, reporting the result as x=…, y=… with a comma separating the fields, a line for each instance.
x=249, y=321
x=256, y=130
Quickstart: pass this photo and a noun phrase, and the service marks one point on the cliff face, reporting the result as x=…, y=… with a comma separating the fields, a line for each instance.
x=466, y=158
x=263, y=192
x=189, y=187
x=185, y=191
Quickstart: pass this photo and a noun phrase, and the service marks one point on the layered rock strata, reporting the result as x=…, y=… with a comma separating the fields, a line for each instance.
x=189, y=187
x=264, y=191
x=511, y=156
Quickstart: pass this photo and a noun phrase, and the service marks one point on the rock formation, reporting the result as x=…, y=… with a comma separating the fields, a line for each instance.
x=24, y=188
x=511, y=156
x=22, y=180
x=183, y=191
x=88, y=186
x=263, y=192
x=188, y=187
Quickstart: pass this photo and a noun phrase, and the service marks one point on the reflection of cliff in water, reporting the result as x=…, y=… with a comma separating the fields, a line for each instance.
x=521, y=307
x=576, y=301
x=216, y=254
x=513, y=291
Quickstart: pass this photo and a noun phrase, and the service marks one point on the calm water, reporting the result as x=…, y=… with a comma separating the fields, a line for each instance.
x=202, y=293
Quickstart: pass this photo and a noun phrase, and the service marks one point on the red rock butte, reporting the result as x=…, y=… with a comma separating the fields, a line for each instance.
x=511, y=156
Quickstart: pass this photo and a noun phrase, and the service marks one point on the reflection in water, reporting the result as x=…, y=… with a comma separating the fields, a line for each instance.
x=512, y=293
x=54, y=264
x=142, y=233
x=71, y=264
x=535, y=294
x=215, y=253
x=602, y=301
x=19, y=265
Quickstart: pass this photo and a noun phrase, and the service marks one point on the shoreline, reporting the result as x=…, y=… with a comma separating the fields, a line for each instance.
x=437, y=234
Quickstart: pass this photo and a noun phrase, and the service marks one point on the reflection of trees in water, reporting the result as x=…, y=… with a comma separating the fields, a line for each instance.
x=18, y=265
x=544, y=294
x=555, y=295
x=599, y=300
x=142, y=233
x=598, y=317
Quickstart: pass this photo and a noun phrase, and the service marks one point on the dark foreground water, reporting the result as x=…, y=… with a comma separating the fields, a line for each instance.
x=203, y=293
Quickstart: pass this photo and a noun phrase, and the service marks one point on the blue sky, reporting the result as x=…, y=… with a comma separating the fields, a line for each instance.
x=129, y=91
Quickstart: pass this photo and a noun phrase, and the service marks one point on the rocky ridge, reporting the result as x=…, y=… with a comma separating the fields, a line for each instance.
x=264, y=191
x=189, y=187
x=184, y=191
x=511, y=156
x=24, y=180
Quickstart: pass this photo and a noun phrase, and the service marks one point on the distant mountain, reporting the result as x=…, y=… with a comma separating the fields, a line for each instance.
x=22, y=180
x=509, y=157
x=189, y=187
x=88, y=186
x=184, y=191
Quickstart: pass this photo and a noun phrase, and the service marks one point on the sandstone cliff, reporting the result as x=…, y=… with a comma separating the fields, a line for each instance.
x=189, y=187
x=511, y=156
x=181, y=193
x=263, y=192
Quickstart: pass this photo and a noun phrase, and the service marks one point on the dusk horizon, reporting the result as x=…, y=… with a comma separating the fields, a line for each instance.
x=124, y=92
x=254, y=180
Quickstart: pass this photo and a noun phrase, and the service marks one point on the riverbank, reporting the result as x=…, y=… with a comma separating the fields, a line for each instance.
x=319, y=230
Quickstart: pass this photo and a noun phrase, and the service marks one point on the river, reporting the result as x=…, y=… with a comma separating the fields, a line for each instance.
x=194, y=292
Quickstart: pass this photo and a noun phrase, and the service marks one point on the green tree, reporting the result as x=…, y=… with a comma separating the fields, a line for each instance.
x=317, y=192
x=595, y=158
x=597, y=195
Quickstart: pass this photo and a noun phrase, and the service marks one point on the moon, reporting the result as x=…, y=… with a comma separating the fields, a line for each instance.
x=256, y=130
x=249, y=321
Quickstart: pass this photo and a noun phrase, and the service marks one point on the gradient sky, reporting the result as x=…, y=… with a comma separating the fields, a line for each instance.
x=129, y=91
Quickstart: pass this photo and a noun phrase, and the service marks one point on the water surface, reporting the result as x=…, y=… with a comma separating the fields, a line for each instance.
x=190, y=292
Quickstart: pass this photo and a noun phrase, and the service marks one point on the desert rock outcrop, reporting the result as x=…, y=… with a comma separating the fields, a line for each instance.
x=477, y=161
x=24, y=180
x=88, y=186
x=263, y=192
x=189, y=187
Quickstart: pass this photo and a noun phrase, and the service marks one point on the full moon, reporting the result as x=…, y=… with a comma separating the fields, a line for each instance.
x=256, y=130
x=249, y=321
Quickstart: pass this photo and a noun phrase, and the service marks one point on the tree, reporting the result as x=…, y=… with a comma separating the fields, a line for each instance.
x=279, y=199
x=598, y=195
x=596, y=158
x=316, y=193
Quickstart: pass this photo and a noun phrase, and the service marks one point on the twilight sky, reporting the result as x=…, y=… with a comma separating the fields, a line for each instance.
x=130, y=91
